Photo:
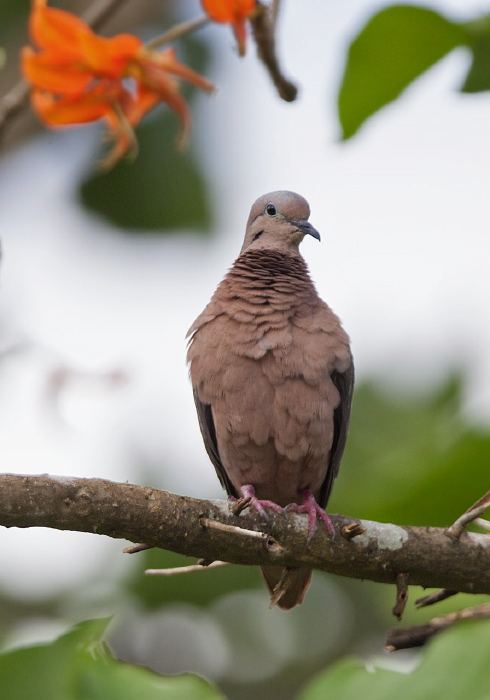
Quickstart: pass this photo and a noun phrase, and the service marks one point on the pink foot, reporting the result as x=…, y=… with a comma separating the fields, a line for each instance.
x=314, y=511
x=248, y=492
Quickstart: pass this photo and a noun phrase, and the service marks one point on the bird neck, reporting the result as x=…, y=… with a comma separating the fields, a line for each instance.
x=271, y=272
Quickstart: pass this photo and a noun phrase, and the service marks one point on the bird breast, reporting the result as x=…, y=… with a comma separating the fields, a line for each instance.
x=262, y=355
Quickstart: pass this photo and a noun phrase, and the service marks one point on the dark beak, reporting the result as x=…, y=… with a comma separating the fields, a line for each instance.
x=307, y=228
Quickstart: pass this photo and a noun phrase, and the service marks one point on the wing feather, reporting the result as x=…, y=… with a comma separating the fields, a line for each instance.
x=344, y=381
x=208, y=431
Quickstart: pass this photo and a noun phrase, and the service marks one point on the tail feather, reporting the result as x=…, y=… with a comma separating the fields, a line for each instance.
x=287, y=586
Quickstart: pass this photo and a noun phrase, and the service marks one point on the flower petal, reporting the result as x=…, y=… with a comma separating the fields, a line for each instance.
x=153, y=62
x=229, y=10
x=49, y=73
x=63, y=35
x=234, y=12
x=68, y=110
x=109, y=57
x=56, y=29
x=79, y=77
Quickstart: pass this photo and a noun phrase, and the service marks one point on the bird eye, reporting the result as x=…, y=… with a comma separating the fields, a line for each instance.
x=271, y=210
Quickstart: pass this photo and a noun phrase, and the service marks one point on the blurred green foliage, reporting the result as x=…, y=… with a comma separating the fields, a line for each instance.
x=14, y=15
x=397, y=45
x=478, y=78
x=79, y=666
x=454, y=667
x=162, y=190
x=411, y=461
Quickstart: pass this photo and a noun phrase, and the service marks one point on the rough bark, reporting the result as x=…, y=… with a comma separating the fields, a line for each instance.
x=186, y=525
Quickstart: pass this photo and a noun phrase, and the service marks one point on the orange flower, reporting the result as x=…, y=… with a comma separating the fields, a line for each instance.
x=234, y=12
x=79, y=77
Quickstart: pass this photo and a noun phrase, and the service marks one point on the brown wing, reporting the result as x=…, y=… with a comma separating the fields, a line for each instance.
x=208, y=431
x=344, y=381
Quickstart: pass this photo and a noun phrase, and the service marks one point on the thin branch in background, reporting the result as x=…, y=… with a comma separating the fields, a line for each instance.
x=401, y=595
x=13, y=102
x=418, y=635
x=275, y=5
x=185, y=569
x=178, y=31
x=435, y=597
x=263, y=29
x=100, y=11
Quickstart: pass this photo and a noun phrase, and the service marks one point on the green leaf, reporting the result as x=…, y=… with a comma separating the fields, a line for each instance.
x=161, y=190
x=15, y=14
x=454, y=667
x=395, y=47
x=478, y=78
x=79, y=666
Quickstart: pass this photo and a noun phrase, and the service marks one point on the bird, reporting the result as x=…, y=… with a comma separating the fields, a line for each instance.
x=272, y=376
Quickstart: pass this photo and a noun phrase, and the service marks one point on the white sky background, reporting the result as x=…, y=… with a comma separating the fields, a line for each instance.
x=404, y=260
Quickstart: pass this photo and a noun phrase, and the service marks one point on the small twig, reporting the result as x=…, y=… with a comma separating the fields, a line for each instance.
x=262, y=23
x=418, y=635
x=484, y=524
x=435, y=597
x=459, y=526
x=352, y=530
x=401, y=595
x=483, y=501
x=185, y=569
x=408, y=637
x=271, y=544
x=217, y=525
x=177, y=31
x=137, y=548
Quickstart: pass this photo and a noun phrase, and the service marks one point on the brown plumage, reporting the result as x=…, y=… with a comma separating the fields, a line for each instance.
x=272, y=375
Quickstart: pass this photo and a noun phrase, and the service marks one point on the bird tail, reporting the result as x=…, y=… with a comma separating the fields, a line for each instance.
x=287, y=586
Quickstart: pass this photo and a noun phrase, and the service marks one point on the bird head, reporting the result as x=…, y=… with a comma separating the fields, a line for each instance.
x=278, y=220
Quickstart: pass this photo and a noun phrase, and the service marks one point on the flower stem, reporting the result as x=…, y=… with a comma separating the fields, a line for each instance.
x=177, y=31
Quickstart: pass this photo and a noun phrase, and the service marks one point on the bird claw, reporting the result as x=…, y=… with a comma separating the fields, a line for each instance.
x=259, y=505
x=314, y=511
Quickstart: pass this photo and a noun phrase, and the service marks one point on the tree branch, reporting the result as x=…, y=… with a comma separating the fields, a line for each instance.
x=263, y=29
x=418, y=635
x=180, y=524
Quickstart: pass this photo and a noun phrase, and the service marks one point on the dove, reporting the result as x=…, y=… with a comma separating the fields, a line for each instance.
x=272, y=375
